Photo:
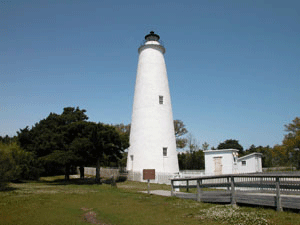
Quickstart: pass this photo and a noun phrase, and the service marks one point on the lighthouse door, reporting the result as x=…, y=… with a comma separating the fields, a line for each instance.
x=218, y=165
x=131, y=158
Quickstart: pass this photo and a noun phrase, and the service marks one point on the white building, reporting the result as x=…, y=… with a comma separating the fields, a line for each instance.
x=226, y=161
x=152, y=138
x=251, y=163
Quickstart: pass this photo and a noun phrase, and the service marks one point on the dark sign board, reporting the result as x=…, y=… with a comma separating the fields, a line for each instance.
x=149, y=174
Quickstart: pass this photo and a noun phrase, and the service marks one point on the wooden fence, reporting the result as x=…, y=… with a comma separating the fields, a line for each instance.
x=280, y=191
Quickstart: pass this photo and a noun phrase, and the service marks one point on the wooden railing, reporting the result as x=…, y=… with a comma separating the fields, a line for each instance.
x=247, y=183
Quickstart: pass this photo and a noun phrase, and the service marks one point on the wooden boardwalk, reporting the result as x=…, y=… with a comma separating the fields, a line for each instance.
x=258, y=199
x=280, y=191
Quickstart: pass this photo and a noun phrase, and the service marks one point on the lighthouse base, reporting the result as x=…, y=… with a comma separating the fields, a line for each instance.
x=160, y=177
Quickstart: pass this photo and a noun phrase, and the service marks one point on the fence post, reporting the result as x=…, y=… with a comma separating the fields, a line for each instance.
x=228, y=188
x=278, y=198
x=172, y=188
x=233, y=200
x=199, y=190
x=187, y=186
x=261, y=182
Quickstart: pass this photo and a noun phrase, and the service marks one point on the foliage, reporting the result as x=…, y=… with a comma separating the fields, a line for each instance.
x=70, y=140
x=205, y=146
x=124, y=132
x=192, y=144
x=193, y=157
x=286, y=154
x=231, y=144
x=191, y=160
x=106, y=144
x=17, y=164
x=124, y=129
x=123, y=161
x=7, y=140
x=51, y=138
x=291, y=140
x=180, y=131
x=267, y=154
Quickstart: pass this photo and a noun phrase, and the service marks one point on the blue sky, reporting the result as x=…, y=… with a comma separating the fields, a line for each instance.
x=233, y=66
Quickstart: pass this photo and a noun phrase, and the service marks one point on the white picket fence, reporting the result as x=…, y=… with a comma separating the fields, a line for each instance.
x=104, y=172
x=160, y=178
x=165, y=178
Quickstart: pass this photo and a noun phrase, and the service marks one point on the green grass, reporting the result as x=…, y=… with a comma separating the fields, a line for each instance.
x=54, y=201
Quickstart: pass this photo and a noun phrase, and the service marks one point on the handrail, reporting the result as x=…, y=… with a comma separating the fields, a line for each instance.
x=231, y=181
x=235, y=175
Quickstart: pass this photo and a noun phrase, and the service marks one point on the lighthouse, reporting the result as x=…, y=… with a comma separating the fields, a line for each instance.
x=152, y=137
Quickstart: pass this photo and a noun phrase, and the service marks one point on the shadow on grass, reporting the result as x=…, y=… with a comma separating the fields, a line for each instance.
x=85, y=181
x=77, y=181
x=4, y=187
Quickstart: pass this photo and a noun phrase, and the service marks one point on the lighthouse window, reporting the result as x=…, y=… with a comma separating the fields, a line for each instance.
x=161, y=99
x=131, y=157
x=165, y=151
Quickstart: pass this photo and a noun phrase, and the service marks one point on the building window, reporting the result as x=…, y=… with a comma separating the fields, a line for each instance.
x=131, y=157
x=165, y=151
x=243, y=163
x=161, y=99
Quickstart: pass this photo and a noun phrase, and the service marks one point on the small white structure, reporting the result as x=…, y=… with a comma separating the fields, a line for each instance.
x=226, y=161
x=251, y=163
x=219, y=162
x=152, y=136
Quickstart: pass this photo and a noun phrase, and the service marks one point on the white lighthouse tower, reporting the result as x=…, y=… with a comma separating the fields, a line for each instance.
x=152, y=138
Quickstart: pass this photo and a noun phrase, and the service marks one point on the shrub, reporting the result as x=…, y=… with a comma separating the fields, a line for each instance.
x=17, y=164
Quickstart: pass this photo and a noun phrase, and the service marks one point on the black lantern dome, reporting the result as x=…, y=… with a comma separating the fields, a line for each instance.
x=152, y=36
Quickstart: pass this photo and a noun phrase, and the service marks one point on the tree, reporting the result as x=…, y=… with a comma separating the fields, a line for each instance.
x=231, y=144
x=81, y=146
x=192, y=144
x=124, y=132
x=70, y=140
x=193, y=158
x=180, y=130
x=7, y=139
x=269, y=157
x=51, y=138
x=124, y=129
x=205, y=146
x=291, y=140
x=16, y=164
x=106, y=143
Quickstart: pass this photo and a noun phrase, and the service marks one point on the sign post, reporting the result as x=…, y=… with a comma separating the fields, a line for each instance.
x=149, y=174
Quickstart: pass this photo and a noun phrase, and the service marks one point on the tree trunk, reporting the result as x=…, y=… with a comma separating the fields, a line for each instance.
x=97, y=180
x=67, y=172
x=81, y=170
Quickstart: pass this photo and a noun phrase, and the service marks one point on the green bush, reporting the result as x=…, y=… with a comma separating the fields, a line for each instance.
x=17, y=164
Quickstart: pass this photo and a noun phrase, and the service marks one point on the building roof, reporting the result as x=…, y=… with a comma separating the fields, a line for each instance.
x=221, y=150
x=250, y=155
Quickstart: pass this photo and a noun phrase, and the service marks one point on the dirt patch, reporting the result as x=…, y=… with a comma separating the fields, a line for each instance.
x=90, y=217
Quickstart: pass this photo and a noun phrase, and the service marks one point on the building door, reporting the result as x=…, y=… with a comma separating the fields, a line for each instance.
x=218, y=165
x=256, y=164
x=131, y=158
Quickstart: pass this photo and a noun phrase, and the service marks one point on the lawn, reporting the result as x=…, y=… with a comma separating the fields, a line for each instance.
x=54, y=201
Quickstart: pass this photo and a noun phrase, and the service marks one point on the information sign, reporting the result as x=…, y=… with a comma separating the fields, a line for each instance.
x=149, y=174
